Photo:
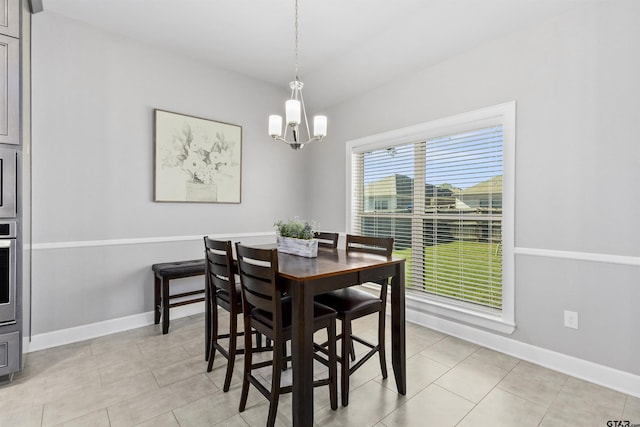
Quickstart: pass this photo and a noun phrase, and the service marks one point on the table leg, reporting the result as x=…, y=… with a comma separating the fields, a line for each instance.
x=398, y=340
x=302, y=355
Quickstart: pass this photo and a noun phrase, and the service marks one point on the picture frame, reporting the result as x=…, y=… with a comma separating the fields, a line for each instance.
x=197, y=160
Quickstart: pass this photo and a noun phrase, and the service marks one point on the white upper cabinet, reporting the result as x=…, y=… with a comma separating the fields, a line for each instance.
x=10, y=18
x=9, y=72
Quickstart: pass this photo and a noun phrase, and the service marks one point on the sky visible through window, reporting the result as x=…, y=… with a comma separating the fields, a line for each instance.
x=461, y=160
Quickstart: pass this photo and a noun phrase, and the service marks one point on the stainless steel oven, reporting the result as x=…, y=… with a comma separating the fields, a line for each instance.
x=8, y=161
x=7, y=272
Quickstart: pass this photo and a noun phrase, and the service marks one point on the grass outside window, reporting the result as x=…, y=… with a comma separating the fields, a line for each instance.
x=469, y=271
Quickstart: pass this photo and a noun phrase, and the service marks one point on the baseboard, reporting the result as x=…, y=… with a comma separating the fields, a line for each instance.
x=94, y=330
x=615, y=379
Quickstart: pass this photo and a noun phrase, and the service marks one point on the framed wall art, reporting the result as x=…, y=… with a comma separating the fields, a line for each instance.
x=196, y=159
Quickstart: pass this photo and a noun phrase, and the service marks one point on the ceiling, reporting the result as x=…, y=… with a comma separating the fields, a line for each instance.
x=346, y=47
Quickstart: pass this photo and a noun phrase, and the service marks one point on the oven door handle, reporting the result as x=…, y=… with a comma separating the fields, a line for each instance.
x=5, y=243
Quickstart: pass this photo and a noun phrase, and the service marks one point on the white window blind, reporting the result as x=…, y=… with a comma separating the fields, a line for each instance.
x=385, y=199
x=463, y=217
x=441, y=200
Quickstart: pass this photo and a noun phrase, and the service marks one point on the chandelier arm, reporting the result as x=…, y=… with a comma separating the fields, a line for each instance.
x=281, y=139
x=304, y=114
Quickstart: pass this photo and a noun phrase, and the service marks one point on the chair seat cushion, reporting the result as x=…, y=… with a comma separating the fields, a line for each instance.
x=350, y=300
x=320, y=312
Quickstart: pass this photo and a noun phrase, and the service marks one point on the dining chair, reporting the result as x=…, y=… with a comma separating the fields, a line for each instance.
x=326, y=239
x=266, y=310
x=351, y=304
x=223, y=291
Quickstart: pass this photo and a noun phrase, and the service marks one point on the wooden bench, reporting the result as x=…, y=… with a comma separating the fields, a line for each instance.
x=164, y=273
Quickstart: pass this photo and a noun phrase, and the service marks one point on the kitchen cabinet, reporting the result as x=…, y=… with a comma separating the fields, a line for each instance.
x=10, y=72
x=9, y=90
x=9, y=353
x=10, y=18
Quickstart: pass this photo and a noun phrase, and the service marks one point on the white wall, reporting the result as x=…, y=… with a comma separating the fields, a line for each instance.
x=93, y=98
x=575, y=81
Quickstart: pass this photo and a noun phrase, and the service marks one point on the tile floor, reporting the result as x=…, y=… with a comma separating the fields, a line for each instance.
x=142, y=378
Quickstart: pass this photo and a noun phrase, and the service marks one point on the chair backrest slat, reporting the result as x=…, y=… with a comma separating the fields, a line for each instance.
x=326, y=239
x=258, y=270
x=219, y=269
x=219, y=265
x=258, y=283
x=373, y=245
x=254, y=298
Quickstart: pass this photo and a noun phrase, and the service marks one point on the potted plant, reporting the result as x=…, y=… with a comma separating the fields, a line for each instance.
x=296, y=237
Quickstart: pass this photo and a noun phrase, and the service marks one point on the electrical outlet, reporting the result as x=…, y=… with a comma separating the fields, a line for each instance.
x=571, y=319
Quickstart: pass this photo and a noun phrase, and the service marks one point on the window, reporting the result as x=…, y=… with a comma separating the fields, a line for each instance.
x=381, y=205
x=444, y=191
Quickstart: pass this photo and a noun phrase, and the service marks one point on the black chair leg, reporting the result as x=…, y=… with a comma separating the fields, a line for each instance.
x=346, y=346
x=285, y=365
x=248, y=353
x=382, y=351
x=276, y=373
x=213, y=333
x=259, y=340
x=207, y=322
x=333, y=370
x=233, y=332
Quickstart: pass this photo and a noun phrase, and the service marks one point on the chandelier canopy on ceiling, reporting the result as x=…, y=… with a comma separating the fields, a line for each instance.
x=295, y=112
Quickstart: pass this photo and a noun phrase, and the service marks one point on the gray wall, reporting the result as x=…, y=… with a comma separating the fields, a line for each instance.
x=575, y=81
x=93, y=98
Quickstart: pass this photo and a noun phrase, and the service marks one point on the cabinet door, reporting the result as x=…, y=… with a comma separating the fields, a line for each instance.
x=9, y=90
x=9, y=353
x=10, y=18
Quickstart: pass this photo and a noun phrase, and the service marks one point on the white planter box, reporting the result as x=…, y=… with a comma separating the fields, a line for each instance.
x=301, y=247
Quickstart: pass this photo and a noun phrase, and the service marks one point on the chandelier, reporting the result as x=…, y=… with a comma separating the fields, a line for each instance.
x=296, y=114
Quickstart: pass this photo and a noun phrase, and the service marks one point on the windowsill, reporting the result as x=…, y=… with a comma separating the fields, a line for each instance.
x=460, y=314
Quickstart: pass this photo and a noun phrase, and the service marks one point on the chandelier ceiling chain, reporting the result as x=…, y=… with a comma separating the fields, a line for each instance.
x=295, y=111
x=296, y=40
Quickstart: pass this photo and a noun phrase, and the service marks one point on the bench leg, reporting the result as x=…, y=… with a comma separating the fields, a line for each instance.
x=156, y=299
x=165, y=305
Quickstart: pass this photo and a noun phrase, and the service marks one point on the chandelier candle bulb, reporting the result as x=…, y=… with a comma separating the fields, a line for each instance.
x=320, y=126
x=275, y=125
x=292, y=109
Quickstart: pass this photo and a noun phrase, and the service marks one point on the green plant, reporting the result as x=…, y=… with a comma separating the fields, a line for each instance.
x=295, y=228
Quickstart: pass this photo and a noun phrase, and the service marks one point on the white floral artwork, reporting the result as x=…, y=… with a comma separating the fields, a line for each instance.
x=196, y=160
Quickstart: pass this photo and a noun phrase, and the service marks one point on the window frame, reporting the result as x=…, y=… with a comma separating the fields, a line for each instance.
x=501, y=114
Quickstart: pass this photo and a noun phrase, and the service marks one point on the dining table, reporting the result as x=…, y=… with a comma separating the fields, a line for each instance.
x=333, y=269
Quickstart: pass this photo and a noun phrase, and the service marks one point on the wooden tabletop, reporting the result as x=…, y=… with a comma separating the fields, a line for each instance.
x=330, y=262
